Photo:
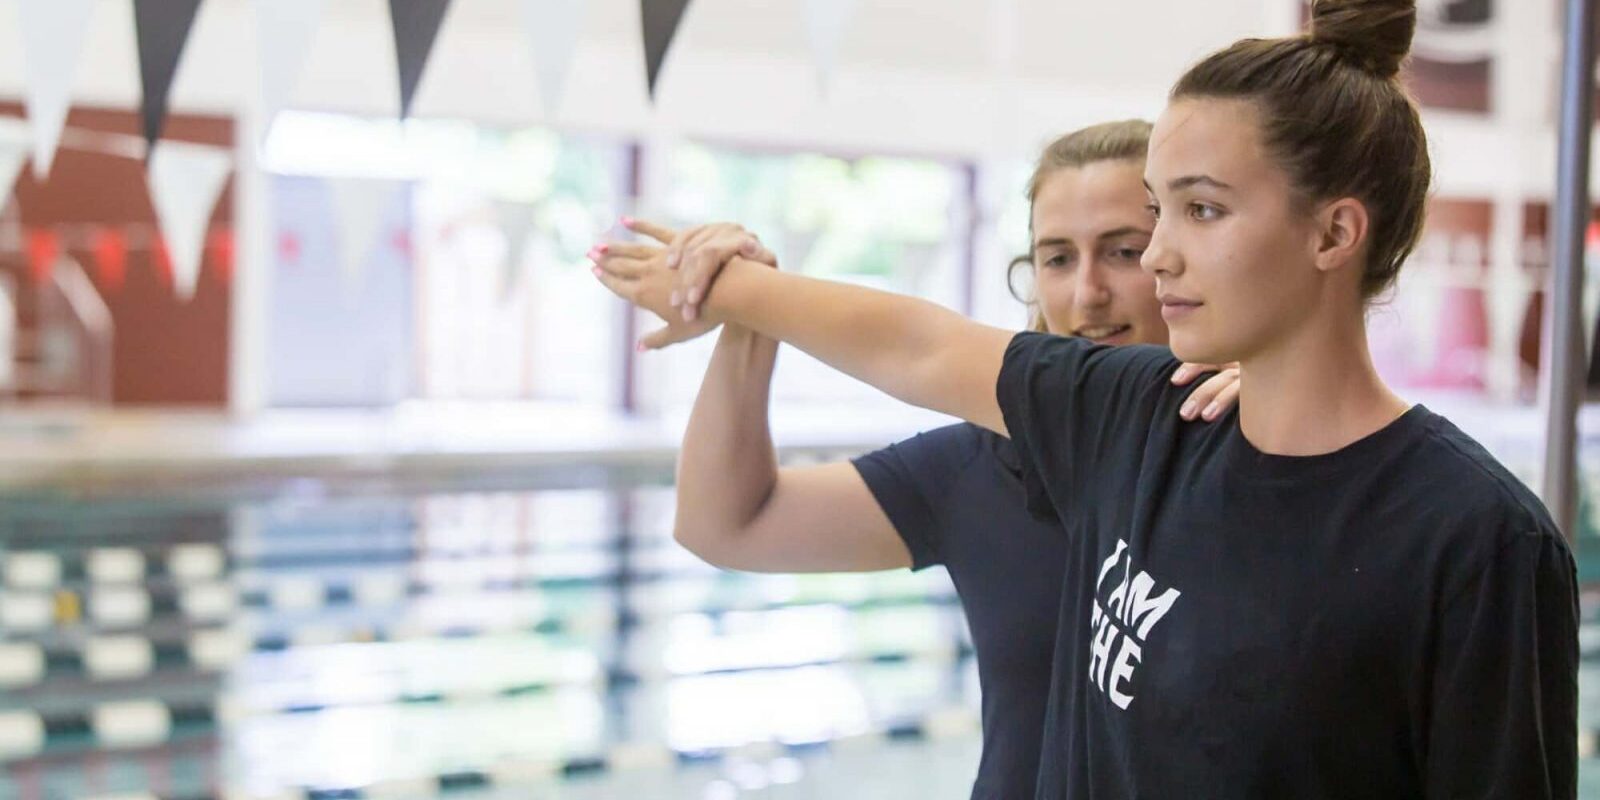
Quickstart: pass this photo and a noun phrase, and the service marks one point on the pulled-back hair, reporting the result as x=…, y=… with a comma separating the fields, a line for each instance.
x=1334, y=115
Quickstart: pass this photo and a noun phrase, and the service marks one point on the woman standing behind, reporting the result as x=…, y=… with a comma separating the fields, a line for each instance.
x=951, y=496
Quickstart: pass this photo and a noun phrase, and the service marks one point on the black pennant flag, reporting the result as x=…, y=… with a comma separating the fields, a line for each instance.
x=660, y=20
x=416, y=25
x=162, y=29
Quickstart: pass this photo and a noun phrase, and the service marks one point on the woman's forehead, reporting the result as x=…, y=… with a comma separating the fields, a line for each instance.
x=1203, y=137
x=1086, y=203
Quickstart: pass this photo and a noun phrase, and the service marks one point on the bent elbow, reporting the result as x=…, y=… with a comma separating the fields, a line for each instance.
x=707, y=545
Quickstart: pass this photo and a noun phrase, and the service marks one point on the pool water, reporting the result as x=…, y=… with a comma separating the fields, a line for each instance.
x=414, y=638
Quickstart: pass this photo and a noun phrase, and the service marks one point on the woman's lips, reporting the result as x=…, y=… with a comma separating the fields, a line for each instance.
x=1174, y=308
x=1102, y=333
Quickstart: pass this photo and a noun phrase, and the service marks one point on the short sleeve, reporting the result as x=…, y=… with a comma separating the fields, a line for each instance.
x=911, y=481
x=1503, y=719
x=1068, y=402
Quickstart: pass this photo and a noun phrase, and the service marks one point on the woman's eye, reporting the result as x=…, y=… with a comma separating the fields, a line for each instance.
x=1127, y=253
x=1203, y=212
x=1155, y=210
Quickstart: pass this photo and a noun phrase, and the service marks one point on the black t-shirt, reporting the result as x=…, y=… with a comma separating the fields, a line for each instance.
x=955, y=496
x=1394, y=619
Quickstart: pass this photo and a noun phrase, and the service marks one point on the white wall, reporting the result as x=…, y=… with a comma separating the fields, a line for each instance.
x=985, y=80
x=953, y=77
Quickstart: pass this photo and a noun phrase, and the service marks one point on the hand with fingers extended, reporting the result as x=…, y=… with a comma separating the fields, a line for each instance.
x=699, y=254
x=639, y=273
x=1219, y=393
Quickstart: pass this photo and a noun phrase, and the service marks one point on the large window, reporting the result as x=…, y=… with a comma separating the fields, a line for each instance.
x=480, y=258
x=498, y=324
x=900, y=224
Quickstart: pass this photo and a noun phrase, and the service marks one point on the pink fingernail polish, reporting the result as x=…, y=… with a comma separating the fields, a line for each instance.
x=694, y=295
x=604, y=248
x=627, y=222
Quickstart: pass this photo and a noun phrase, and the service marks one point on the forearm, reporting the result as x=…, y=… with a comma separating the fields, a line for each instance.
x=917, y=351
x=728, y=468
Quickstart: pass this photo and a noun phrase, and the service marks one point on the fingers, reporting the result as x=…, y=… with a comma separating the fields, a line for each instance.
x=675, y=247
x=674, y=333
x=754, y=250
x=703, y=266
x=689, y=270
x=619, y=286
x=657, y=339
x=1213, y=398
x=660, y=233
x=628, y=268
x=705, y=254
x=1225, y=399
x=1188, y=372
x=662, y=337
x=636, y=250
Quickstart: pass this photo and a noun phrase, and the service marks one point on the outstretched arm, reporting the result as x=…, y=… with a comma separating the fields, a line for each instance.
x=917, y=351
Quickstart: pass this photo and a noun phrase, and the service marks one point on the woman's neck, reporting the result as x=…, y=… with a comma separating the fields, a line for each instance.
x=1315, y=393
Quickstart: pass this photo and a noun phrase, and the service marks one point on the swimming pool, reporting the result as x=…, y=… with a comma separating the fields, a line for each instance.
x=514, y=634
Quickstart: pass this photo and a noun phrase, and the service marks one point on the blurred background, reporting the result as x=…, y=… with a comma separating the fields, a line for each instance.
x=327, y=469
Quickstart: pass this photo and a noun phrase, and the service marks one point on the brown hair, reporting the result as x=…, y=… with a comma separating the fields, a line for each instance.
x=1334, y=115
x=1109, y=141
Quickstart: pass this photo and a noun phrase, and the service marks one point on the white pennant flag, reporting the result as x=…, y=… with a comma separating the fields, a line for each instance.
x=52, y=41
x=553, y=27
x=13, y=152
x=185, y=182
x=362, y=205
x=826, y=21
x=516, y=222
x=285, y=30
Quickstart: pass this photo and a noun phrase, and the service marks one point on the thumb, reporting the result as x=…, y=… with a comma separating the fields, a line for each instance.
x=660, y=233
x=659, y=338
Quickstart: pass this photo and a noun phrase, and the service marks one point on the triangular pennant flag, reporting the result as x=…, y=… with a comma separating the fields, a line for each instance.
x=52, y=44
x=416, y=25
x=111, y=257
x=44, y=247
x=162, y=27
x=185, y=182
x=659, y=19
x=553, y=27
x=516, y=222
x=13, y=152
x=826, y=21
x=284, y=32
x=361, y=204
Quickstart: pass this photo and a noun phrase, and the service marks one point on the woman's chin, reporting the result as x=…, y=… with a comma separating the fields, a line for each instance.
x=1192, y=350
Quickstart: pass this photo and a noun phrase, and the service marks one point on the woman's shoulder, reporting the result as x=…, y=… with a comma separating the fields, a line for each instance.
x=1478, y=485
x=1051, y=360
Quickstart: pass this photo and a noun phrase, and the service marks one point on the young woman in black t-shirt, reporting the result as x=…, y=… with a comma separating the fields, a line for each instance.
x=951, y=496
x=1330, y=594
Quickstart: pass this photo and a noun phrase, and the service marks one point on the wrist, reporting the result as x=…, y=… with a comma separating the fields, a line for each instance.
x=723, y=300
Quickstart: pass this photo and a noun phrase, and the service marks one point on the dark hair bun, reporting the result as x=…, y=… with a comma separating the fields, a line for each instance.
x=1376, y=34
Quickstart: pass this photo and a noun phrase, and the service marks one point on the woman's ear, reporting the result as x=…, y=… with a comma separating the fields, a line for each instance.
x=1342, y=228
